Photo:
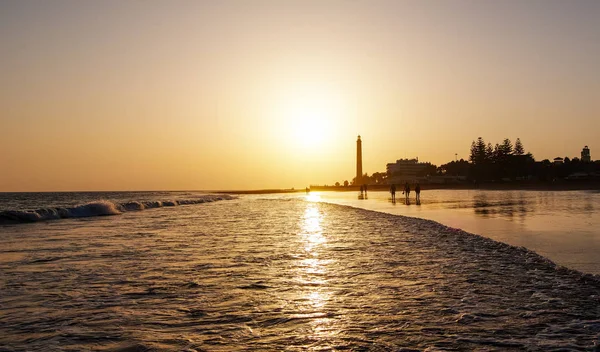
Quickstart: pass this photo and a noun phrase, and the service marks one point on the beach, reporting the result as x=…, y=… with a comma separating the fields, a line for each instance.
x=221, y=176
x=558, y=185
x=562, y=226
x=269, y=274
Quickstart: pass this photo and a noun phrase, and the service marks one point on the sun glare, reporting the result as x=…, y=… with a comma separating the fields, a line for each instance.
x=311, y=125
x=311, y=119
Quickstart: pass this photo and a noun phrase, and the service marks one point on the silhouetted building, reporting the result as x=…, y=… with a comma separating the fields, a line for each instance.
x=405, y=170
x=558, y=161
x=585, y=155
x=359, y=173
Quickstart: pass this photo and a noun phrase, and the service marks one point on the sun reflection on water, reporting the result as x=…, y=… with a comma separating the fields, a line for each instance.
x=312, y=230
x=317, y=299
x=313, y=197
x=313, y=268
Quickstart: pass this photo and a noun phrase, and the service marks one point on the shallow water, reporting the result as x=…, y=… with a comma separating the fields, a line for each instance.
x=282, y=274
x=563, y=226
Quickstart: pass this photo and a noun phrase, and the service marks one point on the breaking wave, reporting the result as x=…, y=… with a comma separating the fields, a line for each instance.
x=96, y=208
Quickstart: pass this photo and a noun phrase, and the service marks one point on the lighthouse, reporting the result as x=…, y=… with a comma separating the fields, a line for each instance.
x=358, y=161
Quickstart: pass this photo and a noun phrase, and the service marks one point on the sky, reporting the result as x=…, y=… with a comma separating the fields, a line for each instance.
x=215, y=95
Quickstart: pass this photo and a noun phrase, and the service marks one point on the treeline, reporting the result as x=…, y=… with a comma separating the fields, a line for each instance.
x=505, y=162
x=499, y=162
x=569, y=169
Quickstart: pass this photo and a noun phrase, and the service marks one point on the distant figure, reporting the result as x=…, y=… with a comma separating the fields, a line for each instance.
x=307, y=190
x=418, y=192
x=365, y=186
x=393, y=192
x=407, y=192
x=362, y=189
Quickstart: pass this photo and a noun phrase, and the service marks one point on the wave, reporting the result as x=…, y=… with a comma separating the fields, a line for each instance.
x=97, y=208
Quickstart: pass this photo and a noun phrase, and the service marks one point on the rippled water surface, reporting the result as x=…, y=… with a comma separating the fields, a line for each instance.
x=563, y=226
x=276, y=273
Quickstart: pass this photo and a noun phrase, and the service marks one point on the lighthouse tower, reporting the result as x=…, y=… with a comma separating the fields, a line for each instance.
x=359, y=161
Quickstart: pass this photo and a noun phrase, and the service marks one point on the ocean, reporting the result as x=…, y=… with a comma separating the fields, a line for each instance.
x=563, y=226
x=189, y=271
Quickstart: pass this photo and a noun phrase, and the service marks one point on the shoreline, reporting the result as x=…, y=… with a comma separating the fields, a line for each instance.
x=443, y=230
x=524, y=186
x=514, y=186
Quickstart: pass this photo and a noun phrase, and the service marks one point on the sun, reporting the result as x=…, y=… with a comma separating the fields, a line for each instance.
x=311, y=125
x=311, y=118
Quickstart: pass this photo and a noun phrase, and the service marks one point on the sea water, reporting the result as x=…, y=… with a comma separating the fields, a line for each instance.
x=563, y=226
x=271, y=273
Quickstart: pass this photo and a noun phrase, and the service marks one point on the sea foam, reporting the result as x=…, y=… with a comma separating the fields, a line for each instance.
x=96, y=208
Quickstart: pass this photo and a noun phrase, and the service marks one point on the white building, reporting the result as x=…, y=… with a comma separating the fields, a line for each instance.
x=404, y=170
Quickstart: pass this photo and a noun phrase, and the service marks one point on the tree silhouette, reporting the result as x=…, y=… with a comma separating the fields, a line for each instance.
x=428, y=170
x=506, y=147
x=455, y=168
x=379, y=177
x=519, y=150
x=478, y=152
x=480, y=159
x=473, y=154
x=489, y=152
x=502, y=162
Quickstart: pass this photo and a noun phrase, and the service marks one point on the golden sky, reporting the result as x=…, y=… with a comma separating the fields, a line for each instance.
x=145, y=95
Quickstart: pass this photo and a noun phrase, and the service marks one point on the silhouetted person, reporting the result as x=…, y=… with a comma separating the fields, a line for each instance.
x=362, y=189
x=407, y=192
x=307, y=190
x=393, y=192
x=418, y=192
x=365, y=186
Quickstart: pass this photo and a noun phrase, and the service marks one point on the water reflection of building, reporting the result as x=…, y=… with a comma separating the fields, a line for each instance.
x=585, y=154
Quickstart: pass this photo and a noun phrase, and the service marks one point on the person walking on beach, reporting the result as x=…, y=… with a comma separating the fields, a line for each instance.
x=407, y=192
x=365, y=186
x=393, y=192
x=361, y=191
x=418, y=192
